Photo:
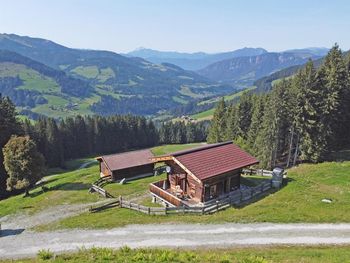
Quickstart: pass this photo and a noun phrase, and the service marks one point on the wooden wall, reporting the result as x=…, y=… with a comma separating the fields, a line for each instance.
x=104, y=170
x=133, y=171
x=222, y=184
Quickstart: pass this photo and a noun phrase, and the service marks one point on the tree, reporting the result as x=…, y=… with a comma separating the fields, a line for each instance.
x=23, y=163
x=257, y=117
x=217, y=128
x=309, y=111
x=232, y=128
x=337, y=98
x=244, y=114
x=9, y=125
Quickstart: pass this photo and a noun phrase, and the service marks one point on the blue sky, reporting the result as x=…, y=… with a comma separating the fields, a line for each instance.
x=182, y=25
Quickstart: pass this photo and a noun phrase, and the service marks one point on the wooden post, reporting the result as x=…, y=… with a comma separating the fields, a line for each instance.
x=203, y=210
x=149, y=210
x=120, y=201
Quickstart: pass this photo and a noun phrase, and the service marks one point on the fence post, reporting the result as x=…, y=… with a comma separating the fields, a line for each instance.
x=203, y=210
x=149, y=210
x=120, y=201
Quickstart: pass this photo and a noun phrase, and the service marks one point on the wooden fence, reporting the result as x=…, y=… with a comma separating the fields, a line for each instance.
x=101, y=191
x=234, y=199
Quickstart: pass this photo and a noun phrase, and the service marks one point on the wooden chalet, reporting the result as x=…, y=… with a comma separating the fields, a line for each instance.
x=129, y=165
x=201, y=174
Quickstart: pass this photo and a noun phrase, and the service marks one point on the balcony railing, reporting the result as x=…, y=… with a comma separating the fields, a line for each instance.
x=156, y=189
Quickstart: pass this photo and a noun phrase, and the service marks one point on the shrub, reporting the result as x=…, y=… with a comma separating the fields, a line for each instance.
x=45, y=254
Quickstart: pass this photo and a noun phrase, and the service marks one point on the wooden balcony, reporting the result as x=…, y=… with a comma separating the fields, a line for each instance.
x=158, y=191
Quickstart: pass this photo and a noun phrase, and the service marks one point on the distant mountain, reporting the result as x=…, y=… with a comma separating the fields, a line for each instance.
x=192, y=61
x=243, y=71
x=316, y=51
x=107, y=83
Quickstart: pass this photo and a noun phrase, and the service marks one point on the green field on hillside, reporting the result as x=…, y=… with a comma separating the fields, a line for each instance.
x=163, y=149
x=208, y=114
x=64, y=187
x=262, y=254
x=204, y=115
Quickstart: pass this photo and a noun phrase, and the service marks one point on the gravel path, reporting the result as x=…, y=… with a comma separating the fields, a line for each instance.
x=25, y=221
x=171, y=235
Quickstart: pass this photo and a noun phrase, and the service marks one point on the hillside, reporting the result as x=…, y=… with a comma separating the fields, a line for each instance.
x=37, y=89
x=113, y=83
x=192, y=61
x=244, y=71
x=265, y=84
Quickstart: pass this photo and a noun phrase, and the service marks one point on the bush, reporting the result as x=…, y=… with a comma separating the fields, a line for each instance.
x=45, y=254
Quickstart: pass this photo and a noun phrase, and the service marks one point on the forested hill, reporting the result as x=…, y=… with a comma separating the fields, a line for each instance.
x=245, y=70
x=120, y=84
x=302, y=118
x=264, y=84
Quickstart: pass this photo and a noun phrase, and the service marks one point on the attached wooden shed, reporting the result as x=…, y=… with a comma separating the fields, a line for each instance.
x=129, y=165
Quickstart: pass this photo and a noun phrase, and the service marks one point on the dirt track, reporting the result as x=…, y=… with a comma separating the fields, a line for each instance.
x=179, y=235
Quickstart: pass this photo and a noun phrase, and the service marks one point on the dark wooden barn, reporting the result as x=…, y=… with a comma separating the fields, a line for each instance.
x=201, y=174
x=129, y=165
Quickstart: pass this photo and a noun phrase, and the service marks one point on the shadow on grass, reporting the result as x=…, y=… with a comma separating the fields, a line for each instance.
x=71, y=187
x=10, y=232
x=261, y=196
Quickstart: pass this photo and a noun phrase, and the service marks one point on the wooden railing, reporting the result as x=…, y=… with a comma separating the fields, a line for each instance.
x=262, y=172
x=156, y=189
x=100, y=190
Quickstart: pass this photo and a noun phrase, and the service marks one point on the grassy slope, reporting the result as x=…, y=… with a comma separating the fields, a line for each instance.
x=64, y=188
x=71, y=186
x=164, y=149
x=208, y=114
x=299, y=201
x=290, y=254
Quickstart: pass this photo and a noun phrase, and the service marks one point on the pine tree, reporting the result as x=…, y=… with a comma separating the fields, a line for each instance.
x=54, y=153
x=309, y=111
x=217, y=127
x=256, y=123
x=244, y=114
x=231, y=125
x=336, y=107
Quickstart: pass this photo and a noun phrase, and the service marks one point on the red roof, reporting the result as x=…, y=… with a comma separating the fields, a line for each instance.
x=128, y=159
x=216, y=159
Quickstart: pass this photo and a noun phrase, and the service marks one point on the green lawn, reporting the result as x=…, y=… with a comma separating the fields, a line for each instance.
x=164, y=149
x=298, y=201
x=204, y=115
x=290, y=254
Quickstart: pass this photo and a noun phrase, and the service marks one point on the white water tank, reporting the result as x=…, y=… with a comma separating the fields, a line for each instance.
x=277, y=177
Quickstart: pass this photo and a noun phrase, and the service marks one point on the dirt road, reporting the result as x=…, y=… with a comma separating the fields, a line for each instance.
x=179, y=235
